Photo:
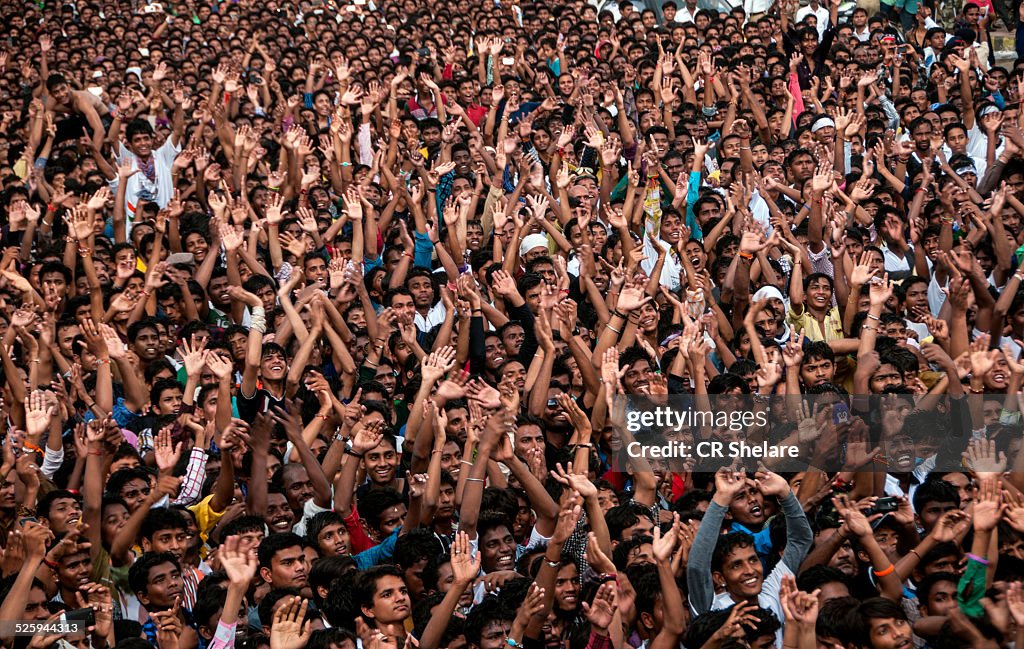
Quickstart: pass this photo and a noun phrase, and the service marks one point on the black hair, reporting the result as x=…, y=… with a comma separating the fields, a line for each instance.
x=159, y=519
x=931, y=491
x=274, y=543
x=138, y=574
x=726, y=544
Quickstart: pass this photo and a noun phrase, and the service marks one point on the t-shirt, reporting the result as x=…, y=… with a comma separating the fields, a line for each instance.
x=832, y=329
x=261, y=401
x=159, y=187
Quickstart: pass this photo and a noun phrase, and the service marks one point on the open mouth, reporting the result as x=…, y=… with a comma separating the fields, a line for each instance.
x=505, y=562
x=749, y=583
x=382, y=473
x=281, y=524
x=998, y=377
x=904, y=458
x=756, y=510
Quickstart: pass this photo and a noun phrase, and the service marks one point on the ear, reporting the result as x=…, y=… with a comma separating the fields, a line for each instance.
x=717, y=578
x=646, y=621
x=265, y=574
x=146, y=545
x=367, y=612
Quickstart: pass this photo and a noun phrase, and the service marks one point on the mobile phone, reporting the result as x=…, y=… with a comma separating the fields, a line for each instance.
x=508, y=60
x=423, y=51
x=81, y=618
x=840, y=413
x=885, y=505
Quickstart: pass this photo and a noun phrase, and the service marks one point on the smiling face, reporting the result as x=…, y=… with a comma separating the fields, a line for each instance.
x=567, y=588
x=742, y=573
x=497, y=549
x=381, y=463
x=278, y=515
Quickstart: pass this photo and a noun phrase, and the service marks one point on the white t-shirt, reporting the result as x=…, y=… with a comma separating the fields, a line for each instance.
x=160, y=189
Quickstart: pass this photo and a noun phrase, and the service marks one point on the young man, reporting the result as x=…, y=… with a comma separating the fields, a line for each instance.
x=819, y=319
x=728, y=565
x=884, y=625
x=155, y=578
x=283, y=562
x=384, y=599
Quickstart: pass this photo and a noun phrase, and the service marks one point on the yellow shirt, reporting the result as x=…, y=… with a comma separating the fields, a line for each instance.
x=831, y=329
x=206, y=518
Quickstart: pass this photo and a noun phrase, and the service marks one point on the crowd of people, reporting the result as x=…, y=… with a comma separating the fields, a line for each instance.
x=321, y=323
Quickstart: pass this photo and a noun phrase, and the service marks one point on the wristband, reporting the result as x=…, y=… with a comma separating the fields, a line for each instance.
x=973, y=557
x=888, y=571
x=29, y=446
x=349, y=451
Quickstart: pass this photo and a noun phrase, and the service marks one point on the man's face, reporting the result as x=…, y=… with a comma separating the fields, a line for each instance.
x=334, y=540
x=64, y=514
x=497, y=549
x=73, y=570
x=141, y=144
x=273, y=366
x=643, y=527
x=748, y=506
x=819, y=294
x=422, y=292
x=889, y=633
x=147, y=344
x=404, y=306
x=816, y=371
x=54, y=284
x=278, y=515
x=174, y=541
x=887, y=375
x=390, y=601
x=297, y=486
x=163, y=586
x=392, y=518
x=169, y=402
x=742, y=573
x=802, y=168
x=932, y=511
x=512, y=339
x=495, y=634
x=316, y=270
x=35, y=607
x=567, y=588
x=941, y=599
x=528, y=436
x=135, y=492
x=289, y=568
x=381, y=464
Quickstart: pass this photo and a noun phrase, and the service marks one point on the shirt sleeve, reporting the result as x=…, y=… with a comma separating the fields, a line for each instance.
x=194, y=477
x=52, y=460
x=224, y=638
x=378, y=553
x=424, y=250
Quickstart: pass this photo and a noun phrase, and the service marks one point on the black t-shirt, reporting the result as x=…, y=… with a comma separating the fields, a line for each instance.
x=261, y=401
